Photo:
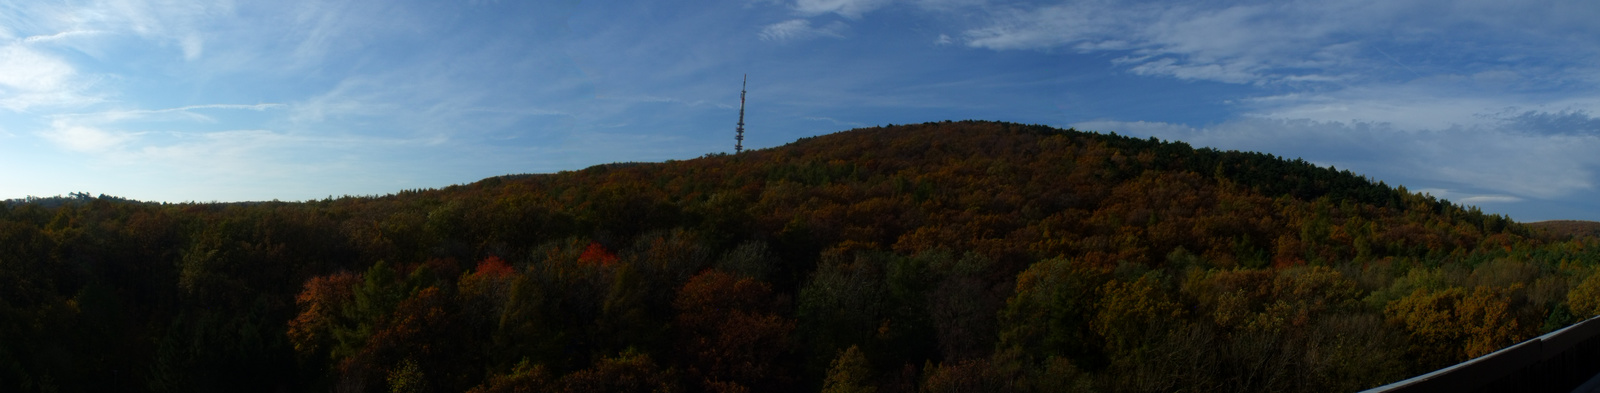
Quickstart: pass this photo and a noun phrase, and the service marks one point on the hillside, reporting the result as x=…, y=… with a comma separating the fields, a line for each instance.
x=1567, y=228
x=952, y=256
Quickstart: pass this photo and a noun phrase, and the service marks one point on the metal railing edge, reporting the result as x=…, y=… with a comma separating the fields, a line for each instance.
x=1563, y=339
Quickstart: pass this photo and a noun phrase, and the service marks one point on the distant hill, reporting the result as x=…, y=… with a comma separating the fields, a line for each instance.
x=1567, y=228
x=57, y=201
x=948, y=256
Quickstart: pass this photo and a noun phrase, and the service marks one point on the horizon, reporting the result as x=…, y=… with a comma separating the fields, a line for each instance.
x=1483, y=104
x=86, y=195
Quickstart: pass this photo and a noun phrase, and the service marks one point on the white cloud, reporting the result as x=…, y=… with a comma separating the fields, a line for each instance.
x=800, y=29
x=359, y=81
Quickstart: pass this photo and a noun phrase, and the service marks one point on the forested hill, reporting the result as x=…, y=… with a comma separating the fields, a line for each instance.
x=1567, y=228
x=953, y=256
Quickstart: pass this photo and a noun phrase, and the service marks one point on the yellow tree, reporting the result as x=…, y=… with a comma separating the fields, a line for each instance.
x=1454, y=324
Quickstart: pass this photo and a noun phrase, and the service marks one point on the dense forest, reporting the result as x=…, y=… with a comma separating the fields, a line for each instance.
x=940, y=257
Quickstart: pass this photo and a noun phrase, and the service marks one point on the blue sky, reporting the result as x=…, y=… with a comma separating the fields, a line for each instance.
x=1487, y=103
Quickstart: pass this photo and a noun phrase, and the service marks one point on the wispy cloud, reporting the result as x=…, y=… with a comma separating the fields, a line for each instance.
x=836, y=122
x=60, y=36
x=237, y=165
x=35, y=71
x=1275, y=42
x=190, y=112
x=1087, y=25
x=234, y=152
x=30, y=78
x=423, y=101
x=104, y=132
x=179, y=24
x=85, y=138
x=846, y=8
x=1492, y=100
x=1487, y=199
x=229, y=164
x=1468, y=198
x=1240, y=43
x=1433, y=103
x=1564, y=122
x=800, y=29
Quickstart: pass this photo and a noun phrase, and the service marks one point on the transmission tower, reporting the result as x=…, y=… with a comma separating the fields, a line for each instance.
x=738, y=136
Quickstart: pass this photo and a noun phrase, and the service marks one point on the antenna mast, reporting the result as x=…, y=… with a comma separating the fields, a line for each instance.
x=738, y=137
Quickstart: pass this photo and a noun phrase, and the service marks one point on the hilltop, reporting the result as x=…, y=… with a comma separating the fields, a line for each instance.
x=950, y=256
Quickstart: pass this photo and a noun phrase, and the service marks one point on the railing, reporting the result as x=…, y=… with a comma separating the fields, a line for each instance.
x=1555, y=362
